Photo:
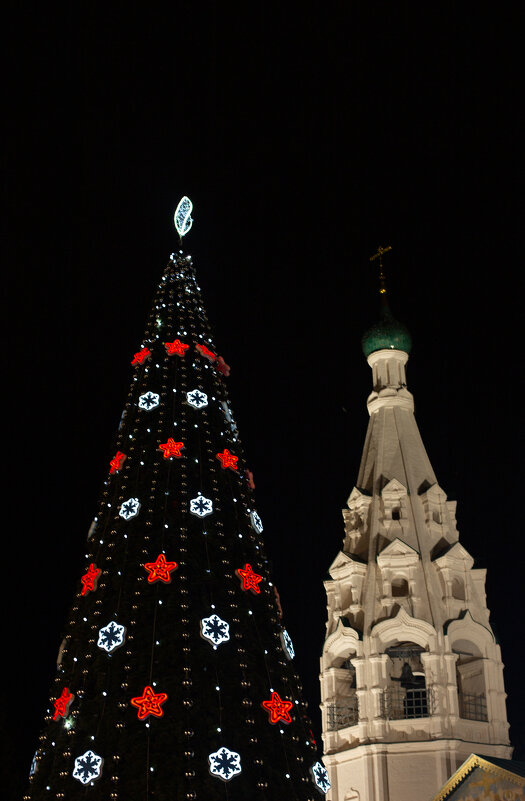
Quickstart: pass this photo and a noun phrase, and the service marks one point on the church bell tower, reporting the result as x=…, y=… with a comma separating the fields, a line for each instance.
x=411, y=673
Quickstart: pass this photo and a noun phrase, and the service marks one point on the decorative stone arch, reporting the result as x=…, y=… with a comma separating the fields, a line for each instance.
x=434, y=499
x=342, y=642
x=356, y=522
x=453, y=569
x=398, y=563
x=394, y=513
x=339, y=677
x=404, y=627
x=402, y=644
x=466, y=628
x=473, y=646
x=393, y=492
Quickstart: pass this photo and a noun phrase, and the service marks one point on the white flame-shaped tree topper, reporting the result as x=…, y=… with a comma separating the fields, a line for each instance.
x=183, y=220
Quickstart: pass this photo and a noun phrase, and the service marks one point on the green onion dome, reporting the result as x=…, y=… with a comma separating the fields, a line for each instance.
x=387, y=333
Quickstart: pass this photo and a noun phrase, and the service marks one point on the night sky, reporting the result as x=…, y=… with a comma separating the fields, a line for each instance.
x=305, y=139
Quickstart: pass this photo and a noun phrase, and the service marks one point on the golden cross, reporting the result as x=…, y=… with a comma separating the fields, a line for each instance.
x=379, y=255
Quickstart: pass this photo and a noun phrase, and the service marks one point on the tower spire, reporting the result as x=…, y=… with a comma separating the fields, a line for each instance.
x=411, y=674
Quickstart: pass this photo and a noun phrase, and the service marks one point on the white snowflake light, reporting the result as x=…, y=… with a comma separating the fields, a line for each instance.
x=228, y=415
x=256, y=522
x=183, y=221
x=197, y=399
x=201, y=506
x=226, y=410
x=225, y=764
x=287, y=644
x=87, y=767
x=320, y=777
x=149, y=400
x=111, y=637
x=129, y=508
x=215, y=630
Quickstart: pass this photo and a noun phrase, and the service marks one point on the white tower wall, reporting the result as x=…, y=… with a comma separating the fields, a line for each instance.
x=411, y=674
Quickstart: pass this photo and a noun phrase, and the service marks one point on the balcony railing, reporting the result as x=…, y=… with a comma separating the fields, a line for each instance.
x=472, y=707
x=401, y=704
x=343, y=714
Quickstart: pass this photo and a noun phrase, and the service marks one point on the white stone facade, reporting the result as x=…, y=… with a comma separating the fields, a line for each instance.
x=411, y=674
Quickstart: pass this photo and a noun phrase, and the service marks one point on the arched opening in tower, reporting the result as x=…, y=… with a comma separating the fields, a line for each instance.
x=406, y=695
x=470, y=677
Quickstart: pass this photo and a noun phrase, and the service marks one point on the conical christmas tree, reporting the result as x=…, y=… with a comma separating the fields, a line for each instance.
x=175, y=676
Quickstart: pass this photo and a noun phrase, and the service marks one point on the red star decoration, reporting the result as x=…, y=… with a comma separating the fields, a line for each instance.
x=149, y=703
x=227, y=459
x=90, y=579
x=278, y=709
x=160, y=569
x=141, y=356
x=222, y=367
x=249, y=579
x=206, y=352
x=117, y=462
x=62, y=704
x=177, y=347
x=171, y=448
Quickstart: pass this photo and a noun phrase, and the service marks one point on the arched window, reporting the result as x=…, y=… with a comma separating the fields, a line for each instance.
x=406, y=696
x=399, y=588
x=458, y=589
x=470, y=677
x=342, y=710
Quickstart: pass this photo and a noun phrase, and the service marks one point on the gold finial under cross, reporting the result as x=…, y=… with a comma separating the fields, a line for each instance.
x=379, y=255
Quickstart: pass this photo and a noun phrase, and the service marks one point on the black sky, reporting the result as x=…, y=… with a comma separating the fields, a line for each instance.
x=305, y=139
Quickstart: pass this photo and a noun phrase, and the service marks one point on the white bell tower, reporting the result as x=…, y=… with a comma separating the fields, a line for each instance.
x=411, y=673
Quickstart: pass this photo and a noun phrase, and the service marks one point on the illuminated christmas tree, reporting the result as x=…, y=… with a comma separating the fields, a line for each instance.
x=175, y=675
